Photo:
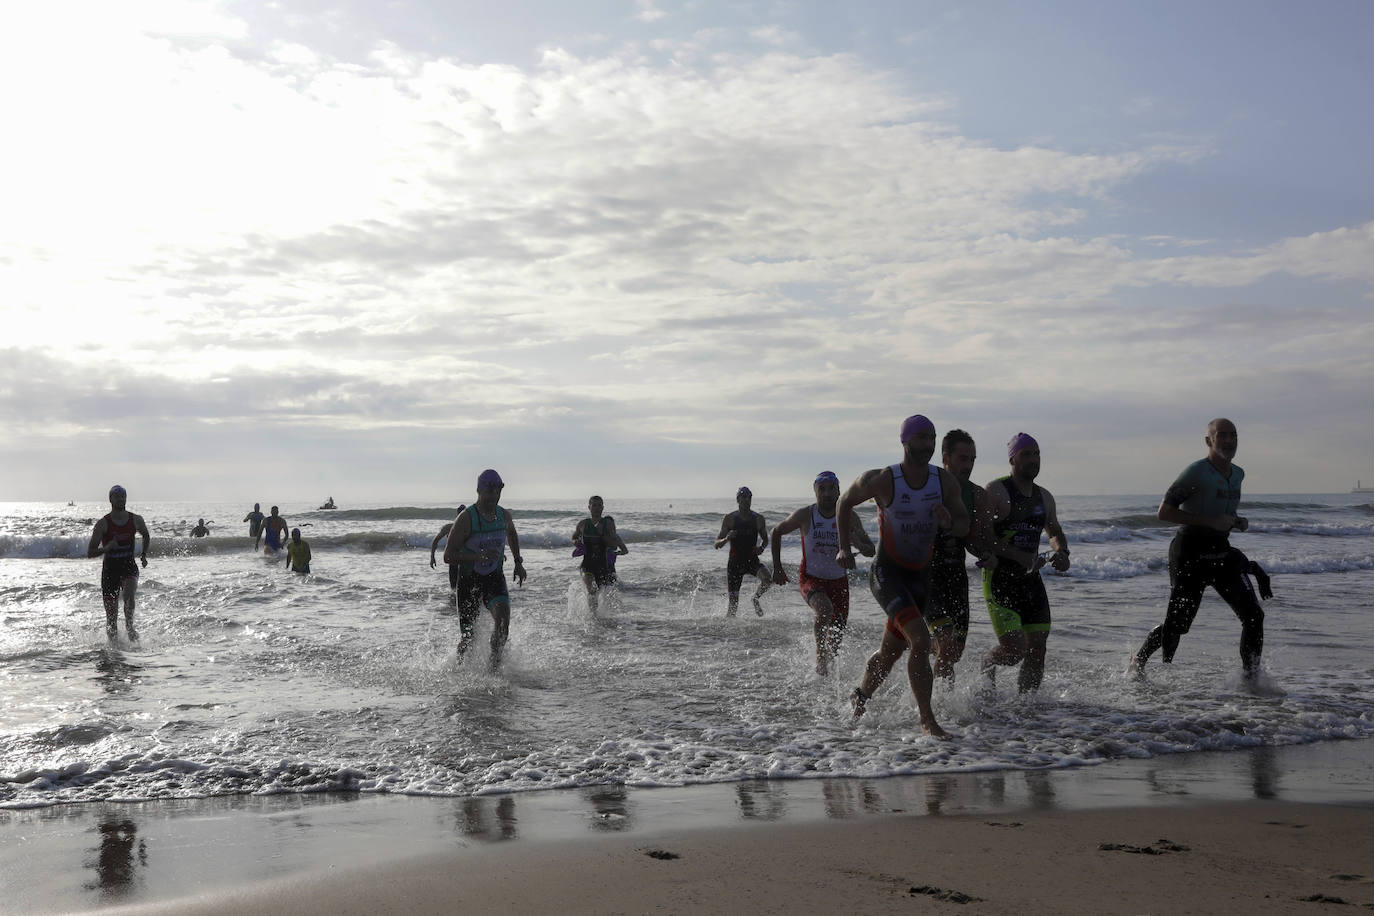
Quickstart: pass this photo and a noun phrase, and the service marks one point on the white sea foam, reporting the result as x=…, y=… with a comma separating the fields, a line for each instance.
x=251, y=680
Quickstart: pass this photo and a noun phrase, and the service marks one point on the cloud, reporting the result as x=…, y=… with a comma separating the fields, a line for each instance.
x=705, y=238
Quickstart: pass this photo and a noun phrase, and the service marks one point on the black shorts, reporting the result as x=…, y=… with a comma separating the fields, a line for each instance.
x=898, y=588
x=738, y=568
x=476, y=590
x=114, y=572
x=948, y=598
x=453, y=575
x=1016, y=600
x=601, y=572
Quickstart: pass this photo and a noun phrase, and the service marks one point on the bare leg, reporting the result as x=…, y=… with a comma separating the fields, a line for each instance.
x=829, y=630
x=733, y=606
x=765, y=582
x=130, y=587
x=1033, y=668
x=949, y=648
x=589, y=582
x=500, y=631
x=879, y=665
x=919, y=673
x=111, y=615
x=1010, y=649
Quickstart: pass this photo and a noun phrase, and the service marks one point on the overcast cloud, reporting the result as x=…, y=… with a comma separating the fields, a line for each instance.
x=666, y=249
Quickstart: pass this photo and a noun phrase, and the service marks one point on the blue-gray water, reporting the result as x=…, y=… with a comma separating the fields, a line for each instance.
x=252, y=680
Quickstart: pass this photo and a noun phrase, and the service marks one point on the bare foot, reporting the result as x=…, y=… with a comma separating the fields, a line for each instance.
x=859, y=701
x=932, y=728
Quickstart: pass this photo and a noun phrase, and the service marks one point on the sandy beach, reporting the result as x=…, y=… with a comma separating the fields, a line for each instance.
x=1266, y=830
x=1243, y=856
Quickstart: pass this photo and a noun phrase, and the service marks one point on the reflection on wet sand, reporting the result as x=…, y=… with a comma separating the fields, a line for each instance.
x=610, y=807
x=118, y=857
x=762, y=801
x=487, y=819
x=847, y=798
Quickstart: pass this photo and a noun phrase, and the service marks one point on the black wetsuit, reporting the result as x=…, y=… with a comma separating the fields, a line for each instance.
x=743, y=558
x=594, y=547
x=949, y=576
x=1199, y=557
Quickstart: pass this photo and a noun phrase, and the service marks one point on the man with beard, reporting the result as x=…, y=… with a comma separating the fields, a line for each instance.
x=949, y=614
x=1020, y=610
x=915, y=500
x=477, y=544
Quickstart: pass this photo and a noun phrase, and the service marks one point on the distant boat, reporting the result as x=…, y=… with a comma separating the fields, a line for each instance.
x=329, y=504
x=1361, y=489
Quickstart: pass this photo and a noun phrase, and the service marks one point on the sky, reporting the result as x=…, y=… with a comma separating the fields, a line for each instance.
x=275, y=251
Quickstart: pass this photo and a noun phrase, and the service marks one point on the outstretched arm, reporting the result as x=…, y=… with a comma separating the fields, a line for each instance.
x=792, y=523
x=866, y=487
x=613, y=538
x=93, y=549
x=434, y=544
x=1058, y=541
x=518, y=574
x=859, y=536
x=457, y=540
x=142, y=530
x=725, y=534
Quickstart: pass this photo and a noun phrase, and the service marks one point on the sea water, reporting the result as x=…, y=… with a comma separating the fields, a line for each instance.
x=251, y=680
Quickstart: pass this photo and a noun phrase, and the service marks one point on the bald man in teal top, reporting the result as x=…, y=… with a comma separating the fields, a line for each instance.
x=1205, y=502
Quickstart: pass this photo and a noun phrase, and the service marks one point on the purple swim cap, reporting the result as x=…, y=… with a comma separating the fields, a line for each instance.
x=743, y=491
x=1018, y=442
x=117, y=490
x=489, y=478
x=915, y=424
x=825, y=476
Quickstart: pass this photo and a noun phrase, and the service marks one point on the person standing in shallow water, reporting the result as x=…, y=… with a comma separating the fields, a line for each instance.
x=824, y=583
x=113, y=538
x=916, y=500
x=1020, y=511
x=254, y=520
x=949, y=607
x=1204, y=502
x=477, y=543
x=598, y=541
x=747, y=534
x=274, y=532
x=298, y=553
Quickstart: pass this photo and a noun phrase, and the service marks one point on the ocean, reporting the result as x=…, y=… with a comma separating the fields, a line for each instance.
x=249, y=680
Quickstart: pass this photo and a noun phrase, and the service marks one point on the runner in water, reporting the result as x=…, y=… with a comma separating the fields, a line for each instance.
x=477, y=543
x=113, y=537
x=949, y=616
x=434, y=546
x=274, y=532
x=824, y=583
x=298, y=553
x=1204, y=501
x=747, y=534
x=598, y=541
x=1015, y=592
x=254, y=520
x=915, y=500
x=201, y=530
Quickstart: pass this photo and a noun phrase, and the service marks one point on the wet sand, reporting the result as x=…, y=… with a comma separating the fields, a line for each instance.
x=1267, y=830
